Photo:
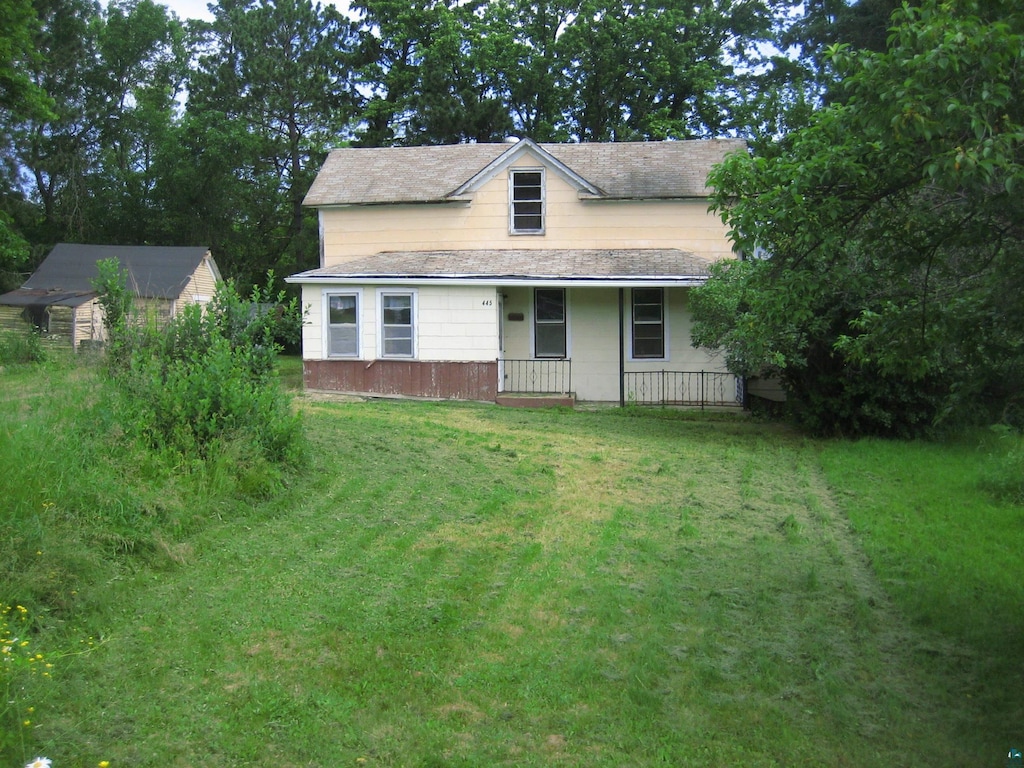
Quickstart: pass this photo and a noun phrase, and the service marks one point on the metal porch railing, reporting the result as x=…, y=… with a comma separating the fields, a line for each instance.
x=691, y=388
x=546, y=377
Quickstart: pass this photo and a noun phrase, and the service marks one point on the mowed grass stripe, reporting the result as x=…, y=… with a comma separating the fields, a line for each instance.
x=464, y=585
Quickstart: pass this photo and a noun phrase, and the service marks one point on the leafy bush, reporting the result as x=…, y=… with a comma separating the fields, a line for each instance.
x=1005, y=476
x=21, y=346
x=207, y=377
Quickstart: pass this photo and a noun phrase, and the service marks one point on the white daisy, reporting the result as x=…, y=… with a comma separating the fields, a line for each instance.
x=39, y=762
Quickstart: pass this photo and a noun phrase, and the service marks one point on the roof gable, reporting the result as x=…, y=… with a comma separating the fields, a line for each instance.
x=615, y=170
x=526, y=148
x=153, y=271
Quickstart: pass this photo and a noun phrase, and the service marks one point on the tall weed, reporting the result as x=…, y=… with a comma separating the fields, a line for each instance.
x=1004, y=477
x=208, y=377
x=21, y=346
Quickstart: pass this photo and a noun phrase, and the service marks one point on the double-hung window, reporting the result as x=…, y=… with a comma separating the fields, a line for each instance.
x=397, y=323
x=342, y=324
x=526, y=202
x=648, y=323
x=549, y=322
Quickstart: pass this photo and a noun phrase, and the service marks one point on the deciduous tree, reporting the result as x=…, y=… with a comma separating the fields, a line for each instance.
x=891, y=299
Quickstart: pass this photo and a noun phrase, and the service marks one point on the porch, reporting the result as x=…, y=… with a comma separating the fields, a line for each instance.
x=537, y=383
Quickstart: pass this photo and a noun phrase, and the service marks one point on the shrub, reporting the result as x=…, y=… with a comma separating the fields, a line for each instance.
x=1005, y=476
x=21, y=346
x=207, y=377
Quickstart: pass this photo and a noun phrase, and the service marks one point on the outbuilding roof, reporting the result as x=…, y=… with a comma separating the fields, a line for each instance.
x=526, y=266
x=66, y=275
x=616, y=170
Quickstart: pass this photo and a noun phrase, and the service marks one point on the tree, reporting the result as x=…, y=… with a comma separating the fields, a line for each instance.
x=52, y=152
x=19, y=94
x=522, y=52
x=891, y=299
x=425, y=72
x=20, y=99
x=274, y=81
x=139, y=74
x=558, y=70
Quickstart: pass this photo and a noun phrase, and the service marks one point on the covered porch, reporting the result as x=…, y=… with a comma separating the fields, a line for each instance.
x=518, y=327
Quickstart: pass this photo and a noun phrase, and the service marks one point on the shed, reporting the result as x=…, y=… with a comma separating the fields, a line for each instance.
x=60, y=300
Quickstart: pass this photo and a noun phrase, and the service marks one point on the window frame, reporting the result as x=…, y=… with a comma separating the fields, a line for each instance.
x=662, y=323
x=513, y=202
x=413, y=324
x=357, y=294
x=564, y=323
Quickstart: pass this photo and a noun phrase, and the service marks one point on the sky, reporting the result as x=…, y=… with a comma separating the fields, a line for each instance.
x=189, y=9
x=196, y=9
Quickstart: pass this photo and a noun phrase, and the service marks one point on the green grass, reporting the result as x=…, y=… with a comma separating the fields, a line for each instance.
x=464, y=585
x=950, y=554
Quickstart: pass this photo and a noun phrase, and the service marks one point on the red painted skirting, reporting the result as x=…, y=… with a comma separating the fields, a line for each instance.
x=411, y=378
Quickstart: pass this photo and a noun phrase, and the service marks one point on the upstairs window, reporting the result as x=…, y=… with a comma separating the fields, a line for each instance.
x=648, y=323
x=526, y=192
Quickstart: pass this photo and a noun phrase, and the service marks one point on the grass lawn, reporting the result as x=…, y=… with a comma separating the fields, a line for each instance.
x=464, y=585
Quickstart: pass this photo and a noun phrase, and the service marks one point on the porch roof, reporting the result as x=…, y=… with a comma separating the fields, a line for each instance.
x=580, y=266
x=35, y=297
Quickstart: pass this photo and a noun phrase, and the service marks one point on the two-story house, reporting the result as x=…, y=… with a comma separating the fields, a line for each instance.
x=487, y=271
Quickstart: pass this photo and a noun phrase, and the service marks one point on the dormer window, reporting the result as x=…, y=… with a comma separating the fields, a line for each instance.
x=526, y=202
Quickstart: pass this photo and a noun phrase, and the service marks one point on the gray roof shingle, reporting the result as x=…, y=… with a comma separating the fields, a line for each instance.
x=522, y=264
x=644, y=170
x=154, y=271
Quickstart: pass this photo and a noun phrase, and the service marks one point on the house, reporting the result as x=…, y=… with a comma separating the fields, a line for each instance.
x=60, y=300
x=498, y=271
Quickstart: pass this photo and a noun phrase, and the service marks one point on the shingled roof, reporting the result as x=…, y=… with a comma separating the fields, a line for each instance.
x=624, y=170
x=592, y=265
x=159, y=272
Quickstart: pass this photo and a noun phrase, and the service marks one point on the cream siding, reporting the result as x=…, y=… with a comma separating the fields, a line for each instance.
x=201, y=285
x=353, y=231
x=11, y=318
x=89, y=323
x=593, y=338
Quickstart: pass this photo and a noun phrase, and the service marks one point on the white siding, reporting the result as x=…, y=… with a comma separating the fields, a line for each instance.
x=452, y=323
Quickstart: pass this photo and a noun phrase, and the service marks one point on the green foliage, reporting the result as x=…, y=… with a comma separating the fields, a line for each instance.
x=19, y=662
x=588, y=70
x=19, y=94
x=1005, y=476
x=21, y=346
x=274, y=82
x=897, y=259
x=498, y=573
x=207, y=378
x=114, y=297
x=14, y=254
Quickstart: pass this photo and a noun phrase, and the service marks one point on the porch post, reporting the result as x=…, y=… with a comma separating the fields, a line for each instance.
x=622, y=351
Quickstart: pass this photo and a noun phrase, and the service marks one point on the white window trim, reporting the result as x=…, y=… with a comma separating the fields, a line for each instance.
x=543, y=202
x=665, y=330
x=326, y=309
x=412, y=293
x=533, y=325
